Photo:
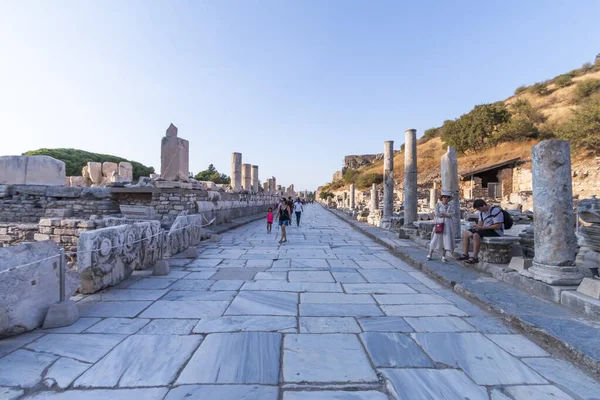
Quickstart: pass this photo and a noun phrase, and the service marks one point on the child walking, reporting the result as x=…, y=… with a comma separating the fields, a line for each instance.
x=269, y=220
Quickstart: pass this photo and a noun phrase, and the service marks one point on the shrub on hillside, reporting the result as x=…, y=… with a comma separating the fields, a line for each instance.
x=521, y=89
x=75, y=160
x=325, y=195
x=540, y=88
x=350, y=175
x=563, y=80
x=586, y=88
x=518, y=128
x=367, y=180
x=583, y=130
x=524, y=108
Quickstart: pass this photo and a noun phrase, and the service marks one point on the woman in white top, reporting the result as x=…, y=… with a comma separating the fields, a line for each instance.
x=443, y=241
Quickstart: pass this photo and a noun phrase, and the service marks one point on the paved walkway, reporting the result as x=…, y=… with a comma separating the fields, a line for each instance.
x=329, y=315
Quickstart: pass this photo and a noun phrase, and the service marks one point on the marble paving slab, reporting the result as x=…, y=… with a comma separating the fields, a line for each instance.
x=342, y=263
x=478, y=356
x=389, y=299
x=348, y=277
x=104, y=394
x=432, y=384
x=310, y=276
x=12, y=343
x=112, y=308
x=488, y=325
x=566, y=376
x=534, y=392
x=292, y=286
x=123, y=326
x=335, y=395
x=387, y=275
x=224, y=392
x=88, y=348
x=316, y=358
x=518, y=345
x=390, y=349
x=232, y=284
x=377, y=288
x=203, y=263
x=244, y=274
x=279, y=276
x=185, y=309
x=127, y=295
x=245, y=323
x=423, y=310
x=169, y=327
x=194, y=295
x=439, y=324
x=239, y=358
x=384, y=324
x=310, y=263
x=192, y=284
x=24, y=368
x=200, y=275
x=141, y=360
x=336, y=298
x=64, y=371
x=339, y=310
x=152, y=283
x=328, y=325
x=264, y=303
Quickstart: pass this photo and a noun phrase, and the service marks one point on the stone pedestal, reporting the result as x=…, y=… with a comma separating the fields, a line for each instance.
x=254, y=178
x=590, y=287
x=174, y=157
x=161, y=268
x=236, y=171
x=388, y=184
x=61, y=314
x=449, y=164
x=410, y=177
x=553, y=218
x=31, y=170
x=247, y=177
x=352, y=199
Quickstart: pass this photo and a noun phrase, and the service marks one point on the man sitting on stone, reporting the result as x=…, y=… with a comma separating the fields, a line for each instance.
x=491, y=223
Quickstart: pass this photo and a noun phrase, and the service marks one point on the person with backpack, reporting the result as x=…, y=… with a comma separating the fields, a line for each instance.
x=284, y=216
x=492, y=222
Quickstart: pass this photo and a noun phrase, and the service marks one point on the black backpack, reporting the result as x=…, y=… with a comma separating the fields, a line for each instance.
x=508, y=220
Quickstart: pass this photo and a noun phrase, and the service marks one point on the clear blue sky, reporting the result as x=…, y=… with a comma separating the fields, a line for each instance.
x=293, y=85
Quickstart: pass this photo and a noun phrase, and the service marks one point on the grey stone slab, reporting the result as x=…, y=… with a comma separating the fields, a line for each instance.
x=243, y=274
x=169, y=327
x=24, y=368
x=254, y=263
x=224, y=392
x=316, y=358
x=339, y=310
x=112, y=308
x=201, y=275
x=104, y=394
x=391, y=349
x=63, y=372
x=185, y=309
x=536, y=392
x=227, y=285
x=310, y=276
x=180, y=262
x=439, y=324
x=384, y=324
x=292, y=286
x=245, y=323
x=488, y=324
x=387, y=275
x=342, y=263
x=336, y=298
x=566, y=376
x=204, y=263
x=423, y=310
x=192, y=284
x=124, y=326
x=328, y=325
x=410, y=299
x=127, y=295
x=374, y=264
x=173, y=274
x=193, y=295
x=278, y=276
x=425, y=280
x=242, y=358
x=309, y=263
x=152, y=283
x=518, y=345
x=14, y=342
x=141, y=360
x=10, y=393
x=264, y=303
x=377, y=288
x=419, y=287
x=232, y=264
x=87, y=348
x=77, y=327
x=432, y=384
x=335, y=395
x=348, y=277
x=479, y=357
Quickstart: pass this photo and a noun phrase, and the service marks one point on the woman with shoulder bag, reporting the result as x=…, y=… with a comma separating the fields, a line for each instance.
x=442, y=237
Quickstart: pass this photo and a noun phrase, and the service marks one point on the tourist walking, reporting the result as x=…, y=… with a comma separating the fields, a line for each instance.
x=283, y=216
x=269, y=220
x=442, y=237
x=298, y=208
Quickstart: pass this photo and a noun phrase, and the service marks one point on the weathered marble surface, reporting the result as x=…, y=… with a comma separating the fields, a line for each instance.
x=425, y=310
x=77, y=346
x=31, y=170
x=439, y=324
x=63, y=372
x=246, y=323
x=384, y=324
x=335, y=395
x=390, y=349
x=410, y=177
x=185, y=309
x=24, y=368
x=343, y=310
x=388, y=184
x=223, y=392
x=377, y=288
x=264, y=303
x=518, y=345
x=123, y=326
x=566, y=376
x=328, y=325
x=103, y=394
x=247, y=357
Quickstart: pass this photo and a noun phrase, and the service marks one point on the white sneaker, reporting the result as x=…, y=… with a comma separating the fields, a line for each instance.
x=428, y=258
x=444, y=259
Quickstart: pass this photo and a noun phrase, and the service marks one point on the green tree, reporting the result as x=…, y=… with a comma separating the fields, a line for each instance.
x=540, y=88
x=325, y=195
x=583, y=130
x=563, y=80
x=587, y=87
x=367, y=180
x=212, y=175
x=524, y=108
x=350, y=175
x=521, y=89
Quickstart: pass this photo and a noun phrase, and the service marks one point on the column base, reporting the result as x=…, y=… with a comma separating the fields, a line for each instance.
x=385, y=223
x=554, y=274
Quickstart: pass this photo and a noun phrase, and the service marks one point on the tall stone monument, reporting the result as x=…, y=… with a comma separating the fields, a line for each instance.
x=174, y=156
x=236, y=171
x=553, y=217
x=247, y=177
x=388, y=184
x=254, y=179
x=449, y=163
x=352, y=197
x=410, y=178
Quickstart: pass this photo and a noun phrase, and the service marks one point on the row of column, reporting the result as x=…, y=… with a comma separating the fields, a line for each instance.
x=245, y=176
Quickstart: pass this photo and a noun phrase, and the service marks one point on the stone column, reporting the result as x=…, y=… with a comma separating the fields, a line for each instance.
x=236, y=171
x=410, y=178
x=254, y=178
x=433, y=196
x=450, y=185
x=174, y=156
x=553, y=218
x=275, y=191
x=388, y=184
x=247, y=177
x=374, y=198
x=352, y=194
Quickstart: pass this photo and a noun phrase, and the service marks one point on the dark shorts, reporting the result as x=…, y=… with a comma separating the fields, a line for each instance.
x=284, y=222
x=485, y=233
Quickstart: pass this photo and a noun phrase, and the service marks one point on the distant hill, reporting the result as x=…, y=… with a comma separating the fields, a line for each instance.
x=76, y=159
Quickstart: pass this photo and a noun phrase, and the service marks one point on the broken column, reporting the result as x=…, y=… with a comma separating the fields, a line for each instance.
x=236, y=171
x=410, y=177
x=388, y=184
x=352, y=194
x=247, y=177
x=450, y=185
x=433, y=196
x=374, y=198
x=553, y=218
x=254, y=178
x=174, y=157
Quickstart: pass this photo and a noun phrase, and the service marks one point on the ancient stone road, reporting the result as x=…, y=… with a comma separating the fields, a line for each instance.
x=329, y=315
